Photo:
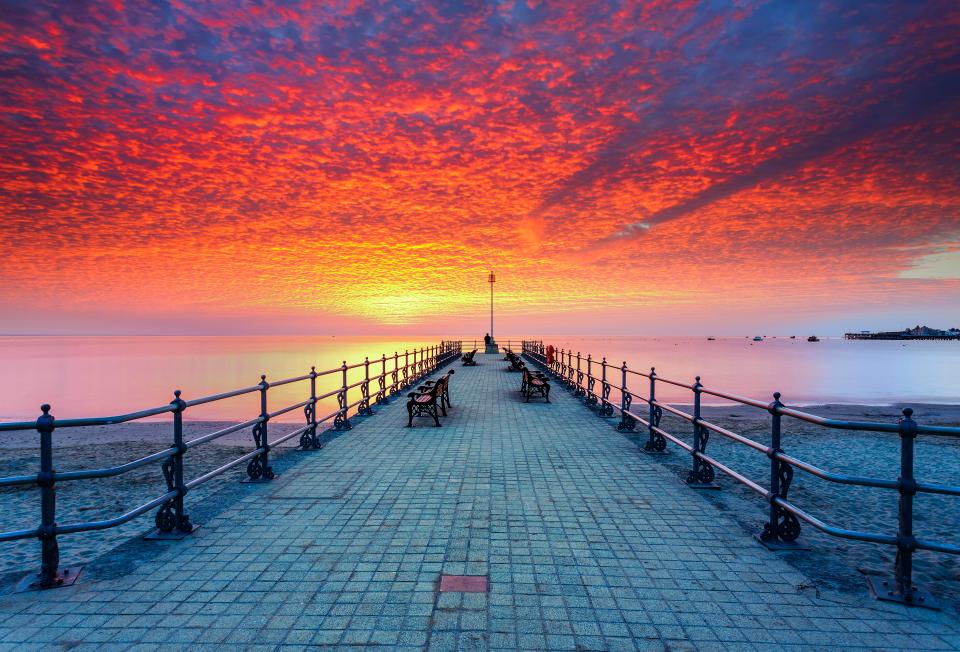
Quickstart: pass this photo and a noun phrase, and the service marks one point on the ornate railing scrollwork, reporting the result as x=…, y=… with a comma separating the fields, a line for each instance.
x=308, y=438
x=787, y=526
x=257, y=468
x=589, y=394
x=381, y=397
x=702, y=472
x=605, y=409
x=166, y=518
x=341, y=421
x=364, y=406
x=627, y=422
x=657, y=443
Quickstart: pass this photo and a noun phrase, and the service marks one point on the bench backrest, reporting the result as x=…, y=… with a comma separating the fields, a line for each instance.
x=444, y=381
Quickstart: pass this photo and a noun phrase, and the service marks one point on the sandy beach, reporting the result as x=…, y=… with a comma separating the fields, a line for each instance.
x=831, y=562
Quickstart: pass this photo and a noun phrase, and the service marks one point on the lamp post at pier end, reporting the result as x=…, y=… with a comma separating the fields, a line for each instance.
x=491, y=345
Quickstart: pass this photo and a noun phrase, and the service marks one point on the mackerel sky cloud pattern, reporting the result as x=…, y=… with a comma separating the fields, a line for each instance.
x=357, y=166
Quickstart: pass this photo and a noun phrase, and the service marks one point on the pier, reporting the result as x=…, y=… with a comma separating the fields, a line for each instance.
x=513, y=526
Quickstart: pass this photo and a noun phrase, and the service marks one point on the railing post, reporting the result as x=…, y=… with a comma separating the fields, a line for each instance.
x=606, y=409
x=580, y=390
x=627, y=422
x=309, y=439
x=382, y=381
x=590, y=397
x=49, y=549
x=171, y=514
x=50, y=575
x=406, y=368
x=258, y=469
x=903, y=589
x=701, y=472
x=394, y=374
x=341, y=422
x=656, y=443
x=365, y=389
x=782, y=528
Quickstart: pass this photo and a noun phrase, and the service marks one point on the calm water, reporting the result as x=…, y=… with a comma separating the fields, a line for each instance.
x=94, y=376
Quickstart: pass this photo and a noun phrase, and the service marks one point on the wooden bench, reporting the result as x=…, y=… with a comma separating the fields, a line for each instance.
x=445, y=395
x=468, y=360
x=429, y=401
x=534, y=383
x=516, y=364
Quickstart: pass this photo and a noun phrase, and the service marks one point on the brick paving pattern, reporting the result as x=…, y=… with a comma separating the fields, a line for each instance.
x=587, y=546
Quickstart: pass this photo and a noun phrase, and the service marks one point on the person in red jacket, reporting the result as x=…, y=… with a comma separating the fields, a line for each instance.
x=550, y=351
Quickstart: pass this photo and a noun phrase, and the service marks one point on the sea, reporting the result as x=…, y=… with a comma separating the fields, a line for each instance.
x=83, y=376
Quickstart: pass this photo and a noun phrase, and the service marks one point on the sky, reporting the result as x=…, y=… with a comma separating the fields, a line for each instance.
x=354, y=167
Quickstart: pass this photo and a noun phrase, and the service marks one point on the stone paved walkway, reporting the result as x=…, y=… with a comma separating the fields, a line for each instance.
x=587, y=544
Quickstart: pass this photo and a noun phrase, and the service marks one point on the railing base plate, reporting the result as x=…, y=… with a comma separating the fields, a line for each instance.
x=884, y=590
x=311, y=449
x=776, y=544
x=259, y=480
x=65, y=577
x=175, y=535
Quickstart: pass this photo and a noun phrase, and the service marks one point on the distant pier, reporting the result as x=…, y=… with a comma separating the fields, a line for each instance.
x=916, y=333
x=896, y=335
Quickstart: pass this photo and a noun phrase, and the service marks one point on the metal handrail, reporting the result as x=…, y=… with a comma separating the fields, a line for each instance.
x=783, y=524
x=171, y=519
x=92, y=421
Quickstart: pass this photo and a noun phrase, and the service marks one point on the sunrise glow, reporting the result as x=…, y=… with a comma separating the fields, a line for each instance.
x=358, y=167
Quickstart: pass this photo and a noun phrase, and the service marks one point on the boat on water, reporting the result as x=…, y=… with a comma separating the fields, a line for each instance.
x=793, y=337
x=813, y=338
x=710, y=339
x=757, y=338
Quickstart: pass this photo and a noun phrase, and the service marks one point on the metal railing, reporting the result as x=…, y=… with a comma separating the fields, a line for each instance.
x=782, y=528
x=396, y=373
x=469, y=345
